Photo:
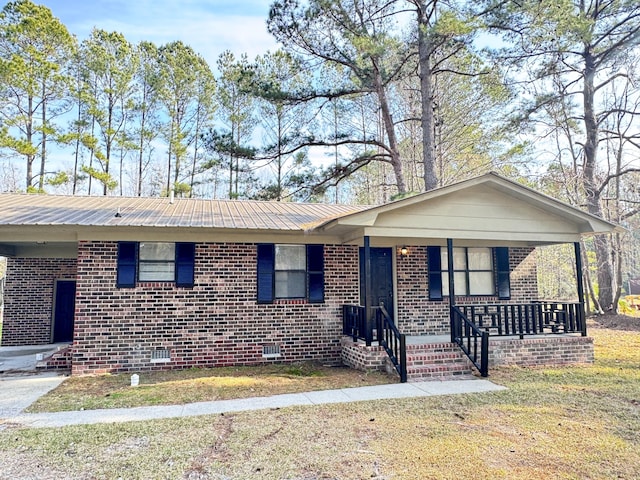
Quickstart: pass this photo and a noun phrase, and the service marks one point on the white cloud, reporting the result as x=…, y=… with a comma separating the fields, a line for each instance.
x=209, y=27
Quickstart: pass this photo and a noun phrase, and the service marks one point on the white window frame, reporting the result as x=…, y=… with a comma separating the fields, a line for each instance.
x=463, y=273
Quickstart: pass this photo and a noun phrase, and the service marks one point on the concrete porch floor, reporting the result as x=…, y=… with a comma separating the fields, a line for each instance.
x=25, y=358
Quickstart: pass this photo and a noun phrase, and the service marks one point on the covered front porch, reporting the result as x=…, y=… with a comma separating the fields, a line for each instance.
x=463, y=265
x=533, y=333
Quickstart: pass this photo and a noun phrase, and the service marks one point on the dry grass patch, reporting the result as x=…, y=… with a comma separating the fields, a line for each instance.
x=551, y=423
x=202, y=384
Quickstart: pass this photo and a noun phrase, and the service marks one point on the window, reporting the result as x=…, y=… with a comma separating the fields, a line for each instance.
x=472, y=271
x=476, y=271
x=290, y=272
x=155, y=262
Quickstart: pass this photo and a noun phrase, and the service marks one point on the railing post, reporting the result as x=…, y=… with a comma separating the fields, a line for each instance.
x=484, y=355
x=452, y=289
x=579, y=282
x=403, y=358
x=367, y=292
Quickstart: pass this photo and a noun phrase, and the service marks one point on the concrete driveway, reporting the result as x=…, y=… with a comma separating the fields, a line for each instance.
x=20, y=384
x=18, y=392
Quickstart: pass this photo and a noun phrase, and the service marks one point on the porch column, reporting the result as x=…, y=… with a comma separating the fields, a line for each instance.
x=452, y=290
x=367, y=291
x=580, y=285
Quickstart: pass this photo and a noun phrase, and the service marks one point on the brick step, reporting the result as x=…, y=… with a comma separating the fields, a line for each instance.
x=60, y=360
x=437, y=361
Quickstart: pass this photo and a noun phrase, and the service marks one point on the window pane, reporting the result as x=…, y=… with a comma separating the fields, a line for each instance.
x=481, y=283
x=157, y=251
x=459, y=278
x=459, y=259
x=291, y=284
x=291, y=257
x=156, y=272
x=480, y=259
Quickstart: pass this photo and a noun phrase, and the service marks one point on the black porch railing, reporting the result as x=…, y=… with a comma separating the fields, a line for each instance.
x=393, y=342
x=536, y=318
x=354, y=324
x=473, y=341
x=471, y=327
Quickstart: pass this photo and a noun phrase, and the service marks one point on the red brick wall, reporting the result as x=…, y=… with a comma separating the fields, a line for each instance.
x=29, y=298
x=417, y=315
x=550, y=350
x=215, y=323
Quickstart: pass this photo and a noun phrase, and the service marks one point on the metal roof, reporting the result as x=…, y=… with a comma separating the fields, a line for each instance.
x=93, y=211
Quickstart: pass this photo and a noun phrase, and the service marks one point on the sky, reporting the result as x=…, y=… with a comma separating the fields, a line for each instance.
x=208, y=26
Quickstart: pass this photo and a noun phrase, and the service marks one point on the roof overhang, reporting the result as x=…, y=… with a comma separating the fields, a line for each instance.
x=487, y=209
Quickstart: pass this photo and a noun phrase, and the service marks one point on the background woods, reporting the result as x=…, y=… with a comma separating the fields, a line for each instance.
x=366, y=101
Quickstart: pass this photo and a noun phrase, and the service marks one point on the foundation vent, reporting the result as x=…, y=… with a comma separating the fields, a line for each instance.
x=271, y=351
x=161, y=355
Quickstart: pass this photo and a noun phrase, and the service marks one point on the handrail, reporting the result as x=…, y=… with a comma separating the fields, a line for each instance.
x=466, y=334
x=394, y=342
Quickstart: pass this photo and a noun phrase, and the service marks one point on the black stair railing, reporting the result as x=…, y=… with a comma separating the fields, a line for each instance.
x=473, y=341
x=393, y=342
x=354, y=322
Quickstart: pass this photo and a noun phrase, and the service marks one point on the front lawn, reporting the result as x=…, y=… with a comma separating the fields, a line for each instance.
x=551, y=423
x=173, y=387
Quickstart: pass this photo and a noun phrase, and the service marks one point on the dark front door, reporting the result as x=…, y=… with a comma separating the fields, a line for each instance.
x=381, y=278
x=64, y=309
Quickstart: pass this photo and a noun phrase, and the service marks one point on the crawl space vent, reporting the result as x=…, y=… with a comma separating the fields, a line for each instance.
x=270, y=351
x=160, y=355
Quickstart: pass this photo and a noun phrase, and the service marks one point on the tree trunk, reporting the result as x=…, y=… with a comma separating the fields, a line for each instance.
x=387, y=120
x=427, y=104
x=601, y=243
x=30, y=156
x=141, y=145
x=43, y=147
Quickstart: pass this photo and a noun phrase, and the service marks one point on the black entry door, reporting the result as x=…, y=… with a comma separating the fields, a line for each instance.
x=381, y=278
x=64, y=309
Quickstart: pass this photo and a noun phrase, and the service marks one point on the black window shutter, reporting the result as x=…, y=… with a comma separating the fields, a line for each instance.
x=434, y=264
x=127, y=262
x=266, y=272
x=502, y=273
x=315, y=273
x=185, y=264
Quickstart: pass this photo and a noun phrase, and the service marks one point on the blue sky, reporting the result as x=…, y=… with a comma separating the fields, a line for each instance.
x=208, y=26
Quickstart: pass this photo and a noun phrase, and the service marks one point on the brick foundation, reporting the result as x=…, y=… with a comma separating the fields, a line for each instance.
x=550, y=350
x=29, y=298
x=361, y=357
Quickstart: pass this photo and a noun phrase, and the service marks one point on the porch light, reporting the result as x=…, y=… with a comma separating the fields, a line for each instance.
x=404, y=251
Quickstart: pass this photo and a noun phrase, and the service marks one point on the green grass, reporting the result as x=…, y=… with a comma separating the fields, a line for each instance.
x=200, y=384
x=551, y=423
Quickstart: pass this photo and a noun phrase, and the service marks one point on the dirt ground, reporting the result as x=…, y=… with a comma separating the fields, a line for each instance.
x=616, y=322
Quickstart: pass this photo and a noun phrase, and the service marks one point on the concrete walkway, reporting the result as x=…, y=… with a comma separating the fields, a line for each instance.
x=345, y=395
x=18, y=392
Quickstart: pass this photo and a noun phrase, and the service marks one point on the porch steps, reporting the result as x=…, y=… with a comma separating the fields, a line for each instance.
x=437, y=361
x=60, y=360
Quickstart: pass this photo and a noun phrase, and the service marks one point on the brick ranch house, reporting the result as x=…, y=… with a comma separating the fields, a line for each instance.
x=136, y=284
